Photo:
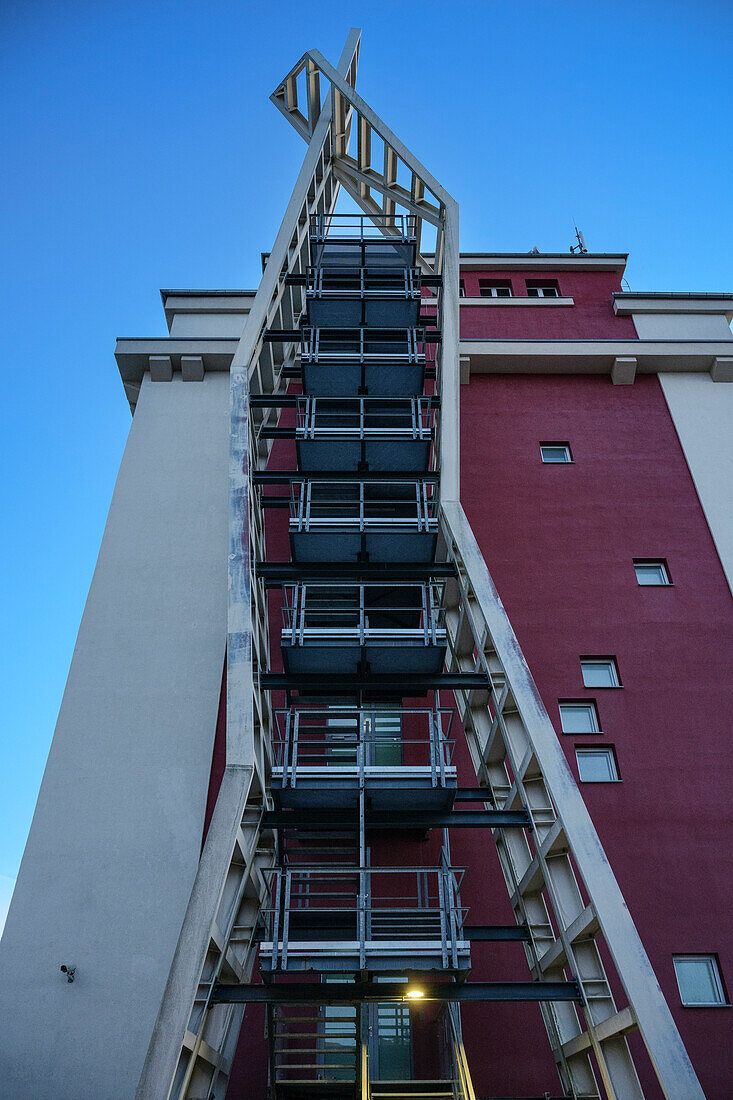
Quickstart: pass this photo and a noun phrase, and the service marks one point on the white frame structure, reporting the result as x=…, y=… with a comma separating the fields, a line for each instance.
x=515, y=749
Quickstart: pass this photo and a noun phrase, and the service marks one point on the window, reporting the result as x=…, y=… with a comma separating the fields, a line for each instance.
x=462, y=288
x=600, y=672
x=579, y=717
x=546, y=289
x=490, y=288
x=699, y=980
x=597, y=765
x=555, y=453
x=651, y=572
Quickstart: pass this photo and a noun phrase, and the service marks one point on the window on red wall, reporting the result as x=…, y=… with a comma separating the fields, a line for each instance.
x=542, y=288
x=495, y=288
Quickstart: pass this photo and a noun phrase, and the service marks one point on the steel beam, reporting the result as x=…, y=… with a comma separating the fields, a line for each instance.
x=335, y=993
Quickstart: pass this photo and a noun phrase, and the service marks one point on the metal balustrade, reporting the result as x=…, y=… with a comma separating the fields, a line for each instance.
x=342, y=296
x=359, y=229
x=364, y=434
x=365, y=417
x=323, y=756
x=395, y=345
x=338, y=627
x=351, y=521
x=376, y=918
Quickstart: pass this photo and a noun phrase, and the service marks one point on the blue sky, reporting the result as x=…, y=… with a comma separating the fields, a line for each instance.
x=141, y=151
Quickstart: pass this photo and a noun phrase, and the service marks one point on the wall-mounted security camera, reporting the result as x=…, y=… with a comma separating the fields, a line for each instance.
x=69, y=971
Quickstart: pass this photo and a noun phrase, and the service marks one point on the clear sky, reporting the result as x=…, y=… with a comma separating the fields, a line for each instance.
x=141, y=151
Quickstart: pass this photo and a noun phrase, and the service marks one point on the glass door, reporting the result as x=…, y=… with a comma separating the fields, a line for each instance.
x=382, y=732
x=391, y=1038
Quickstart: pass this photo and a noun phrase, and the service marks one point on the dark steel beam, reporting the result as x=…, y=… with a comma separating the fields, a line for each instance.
x=482, y=933
x=343, y=684
x=291, y=401
x=322, y=993
x=318, y=819
x=275, y=574
x=283, y=477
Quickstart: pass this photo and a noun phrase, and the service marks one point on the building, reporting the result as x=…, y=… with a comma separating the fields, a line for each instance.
x=335, y=801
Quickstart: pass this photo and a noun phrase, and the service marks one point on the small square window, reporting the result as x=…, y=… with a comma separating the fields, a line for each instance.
x=651, y=572
x=548, y=288
x=600, y=672
x=699, y=980
x=579, y=718
x=490, y=288
x=597, y=765
x=554, y=453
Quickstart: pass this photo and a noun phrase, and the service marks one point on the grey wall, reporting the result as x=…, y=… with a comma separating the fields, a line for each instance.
x=702, y=411
x=115, y=839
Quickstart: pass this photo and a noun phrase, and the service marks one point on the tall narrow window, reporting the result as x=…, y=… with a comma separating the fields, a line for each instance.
x=600, y=672
x=555, y=453
x=699, y=981
x=651, y=573
x=579, y=717
x=462, y=288
x=597, y=765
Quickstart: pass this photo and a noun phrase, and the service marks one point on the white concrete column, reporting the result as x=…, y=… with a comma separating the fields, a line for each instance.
x=114, y=845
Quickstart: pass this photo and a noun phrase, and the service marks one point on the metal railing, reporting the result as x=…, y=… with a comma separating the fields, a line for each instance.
x=373, y=913
x=364, y=417
x=360, y=345
x=366, y=612
x=410, y=505
x=357, y=227
x=309, y=742
x=400, y=283
x=462, y=1083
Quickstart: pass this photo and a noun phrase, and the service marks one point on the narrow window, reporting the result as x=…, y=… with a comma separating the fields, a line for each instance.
x=597, y=765
x=579, y=717
x=545, y=288
x=462, y=288
x=554, y=453
x=653, y=573
x=699, y=980
x=491, y=288
x=600, y=672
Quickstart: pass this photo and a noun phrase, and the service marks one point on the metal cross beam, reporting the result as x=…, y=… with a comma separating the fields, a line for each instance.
x=378, y=992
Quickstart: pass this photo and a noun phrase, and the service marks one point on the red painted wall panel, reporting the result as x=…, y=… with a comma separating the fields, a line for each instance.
x=559, y=542
x=590, y=318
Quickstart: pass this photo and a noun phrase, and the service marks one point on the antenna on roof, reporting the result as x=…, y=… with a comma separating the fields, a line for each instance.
x=581, y=246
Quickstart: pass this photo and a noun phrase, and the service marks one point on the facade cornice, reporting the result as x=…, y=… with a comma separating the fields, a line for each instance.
x=597, y=357
x=627, y=303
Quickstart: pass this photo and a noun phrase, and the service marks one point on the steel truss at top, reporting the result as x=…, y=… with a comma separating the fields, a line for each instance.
x=518, y=759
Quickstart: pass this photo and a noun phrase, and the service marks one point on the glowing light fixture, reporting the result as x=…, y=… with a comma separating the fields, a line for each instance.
x=414, y=993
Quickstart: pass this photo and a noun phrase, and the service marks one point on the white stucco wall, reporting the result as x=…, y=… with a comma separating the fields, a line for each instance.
x=702, y=411
x=116, y=834
x=682, y=326
x=200, y=325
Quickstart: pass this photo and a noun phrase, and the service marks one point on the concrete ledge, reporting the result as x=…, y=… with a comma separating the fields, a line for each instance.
x=626, y=303
x=595, y=356
x=515, y=300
